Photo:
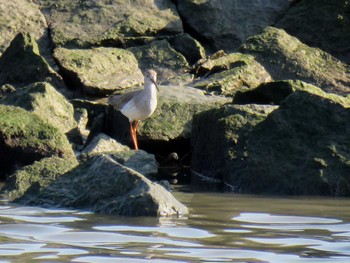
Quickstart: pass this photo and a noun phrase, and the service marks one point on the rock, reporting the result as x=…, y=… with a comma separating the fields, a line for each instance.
x=20, y=16
x=21, y=64
x=285, y=57
x=227, y=74
x=322, y=24
x=272, y=92
x=301, y=148
x=43, y=100
x=219, y=138
x=31, y=179
x=190, y=48
x=161, y=57
x=140, y=161
x=25, y=138
x=102, y=143
x=77, y=23
x=103, y=185
x=225, y=24
x=99, y=71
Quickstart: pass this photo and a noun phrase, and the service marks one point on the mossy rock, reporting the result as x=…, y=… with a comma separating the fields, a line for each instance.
x=225, y=24
x=219, y=137
x=21, y=64
x=190, y=48
x=20, y=16
x=25, y=138
x=272, y=92
x=43, y=100
x=99, y=71
x=285, y=57
x=31, y=179
x=321, y=23
x=113, y=23
x=173, y=116
x=300, y=148
x=102, y=185
x=161, y=57
x=227, y=74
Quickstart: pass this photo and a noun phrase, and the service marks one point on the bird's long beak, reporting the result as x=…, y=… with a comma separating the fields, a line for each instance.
x=155, y=83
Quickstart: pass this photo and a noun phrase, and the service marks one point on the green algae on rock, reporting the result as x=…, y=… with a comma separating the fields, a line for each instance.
x=99, y=71
x=176, y=108
x=31, y=179
x=25, y=138
x=160, y=56
x=21, y=64
x=229, y=73
x=285, y=57
x=43, y=100
x=321, y=23
x=301, y=147
x=225, y=24
x=103, y=185
x=273, y=92
x=19, y=16
x=110, y=22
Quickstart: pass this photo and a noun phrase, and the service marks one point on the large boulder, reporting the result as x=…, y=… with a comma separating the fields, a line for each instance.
x=19, y=16
x=25, y=138
x=190, y=48
x=103, y=185
x=302, y=147
x=285, y=57
x=22, y=64
x=225, y=24
x=98, y=71
x=273, y=92
x=161, y=57
x=229, y=73
x=43, y=100
x=78, y=23
x=320, y=23
x=219, y=138
x=31, y=179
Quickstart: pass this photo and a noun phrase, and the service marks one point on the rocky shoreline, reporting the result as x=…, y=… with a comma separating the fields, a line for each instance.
x=258, y=102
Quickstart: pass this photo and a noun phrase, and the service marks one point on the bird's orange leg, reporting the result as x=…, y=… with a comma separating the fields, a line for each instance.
x=133, y=128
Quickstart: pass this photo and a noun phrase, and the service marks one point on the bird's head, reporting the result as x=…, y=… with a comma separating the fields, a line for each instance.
x=151, y=76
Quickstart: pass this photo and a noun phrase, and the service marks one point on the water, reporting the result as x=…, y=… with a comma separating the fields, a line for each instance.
x=220, y=228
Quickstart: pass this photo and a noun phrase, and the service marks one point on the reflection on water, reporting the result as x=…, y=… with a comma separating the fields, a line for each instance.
x=220, y=228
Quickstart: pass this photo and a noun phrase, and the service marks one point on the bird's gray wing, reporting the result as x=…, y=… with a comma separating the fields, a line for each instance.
x=119, y=100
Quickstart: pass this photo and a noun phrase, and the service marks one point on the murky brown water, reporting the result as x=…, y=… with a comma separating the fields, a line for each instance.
x=220, y=228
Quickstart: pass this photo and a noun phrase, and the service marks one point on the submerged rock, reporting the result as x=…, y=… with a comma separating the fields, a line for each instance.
x=99, y=71
x=285, y=57
x=302, y=147
x=103, y=185
x=43, y=100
